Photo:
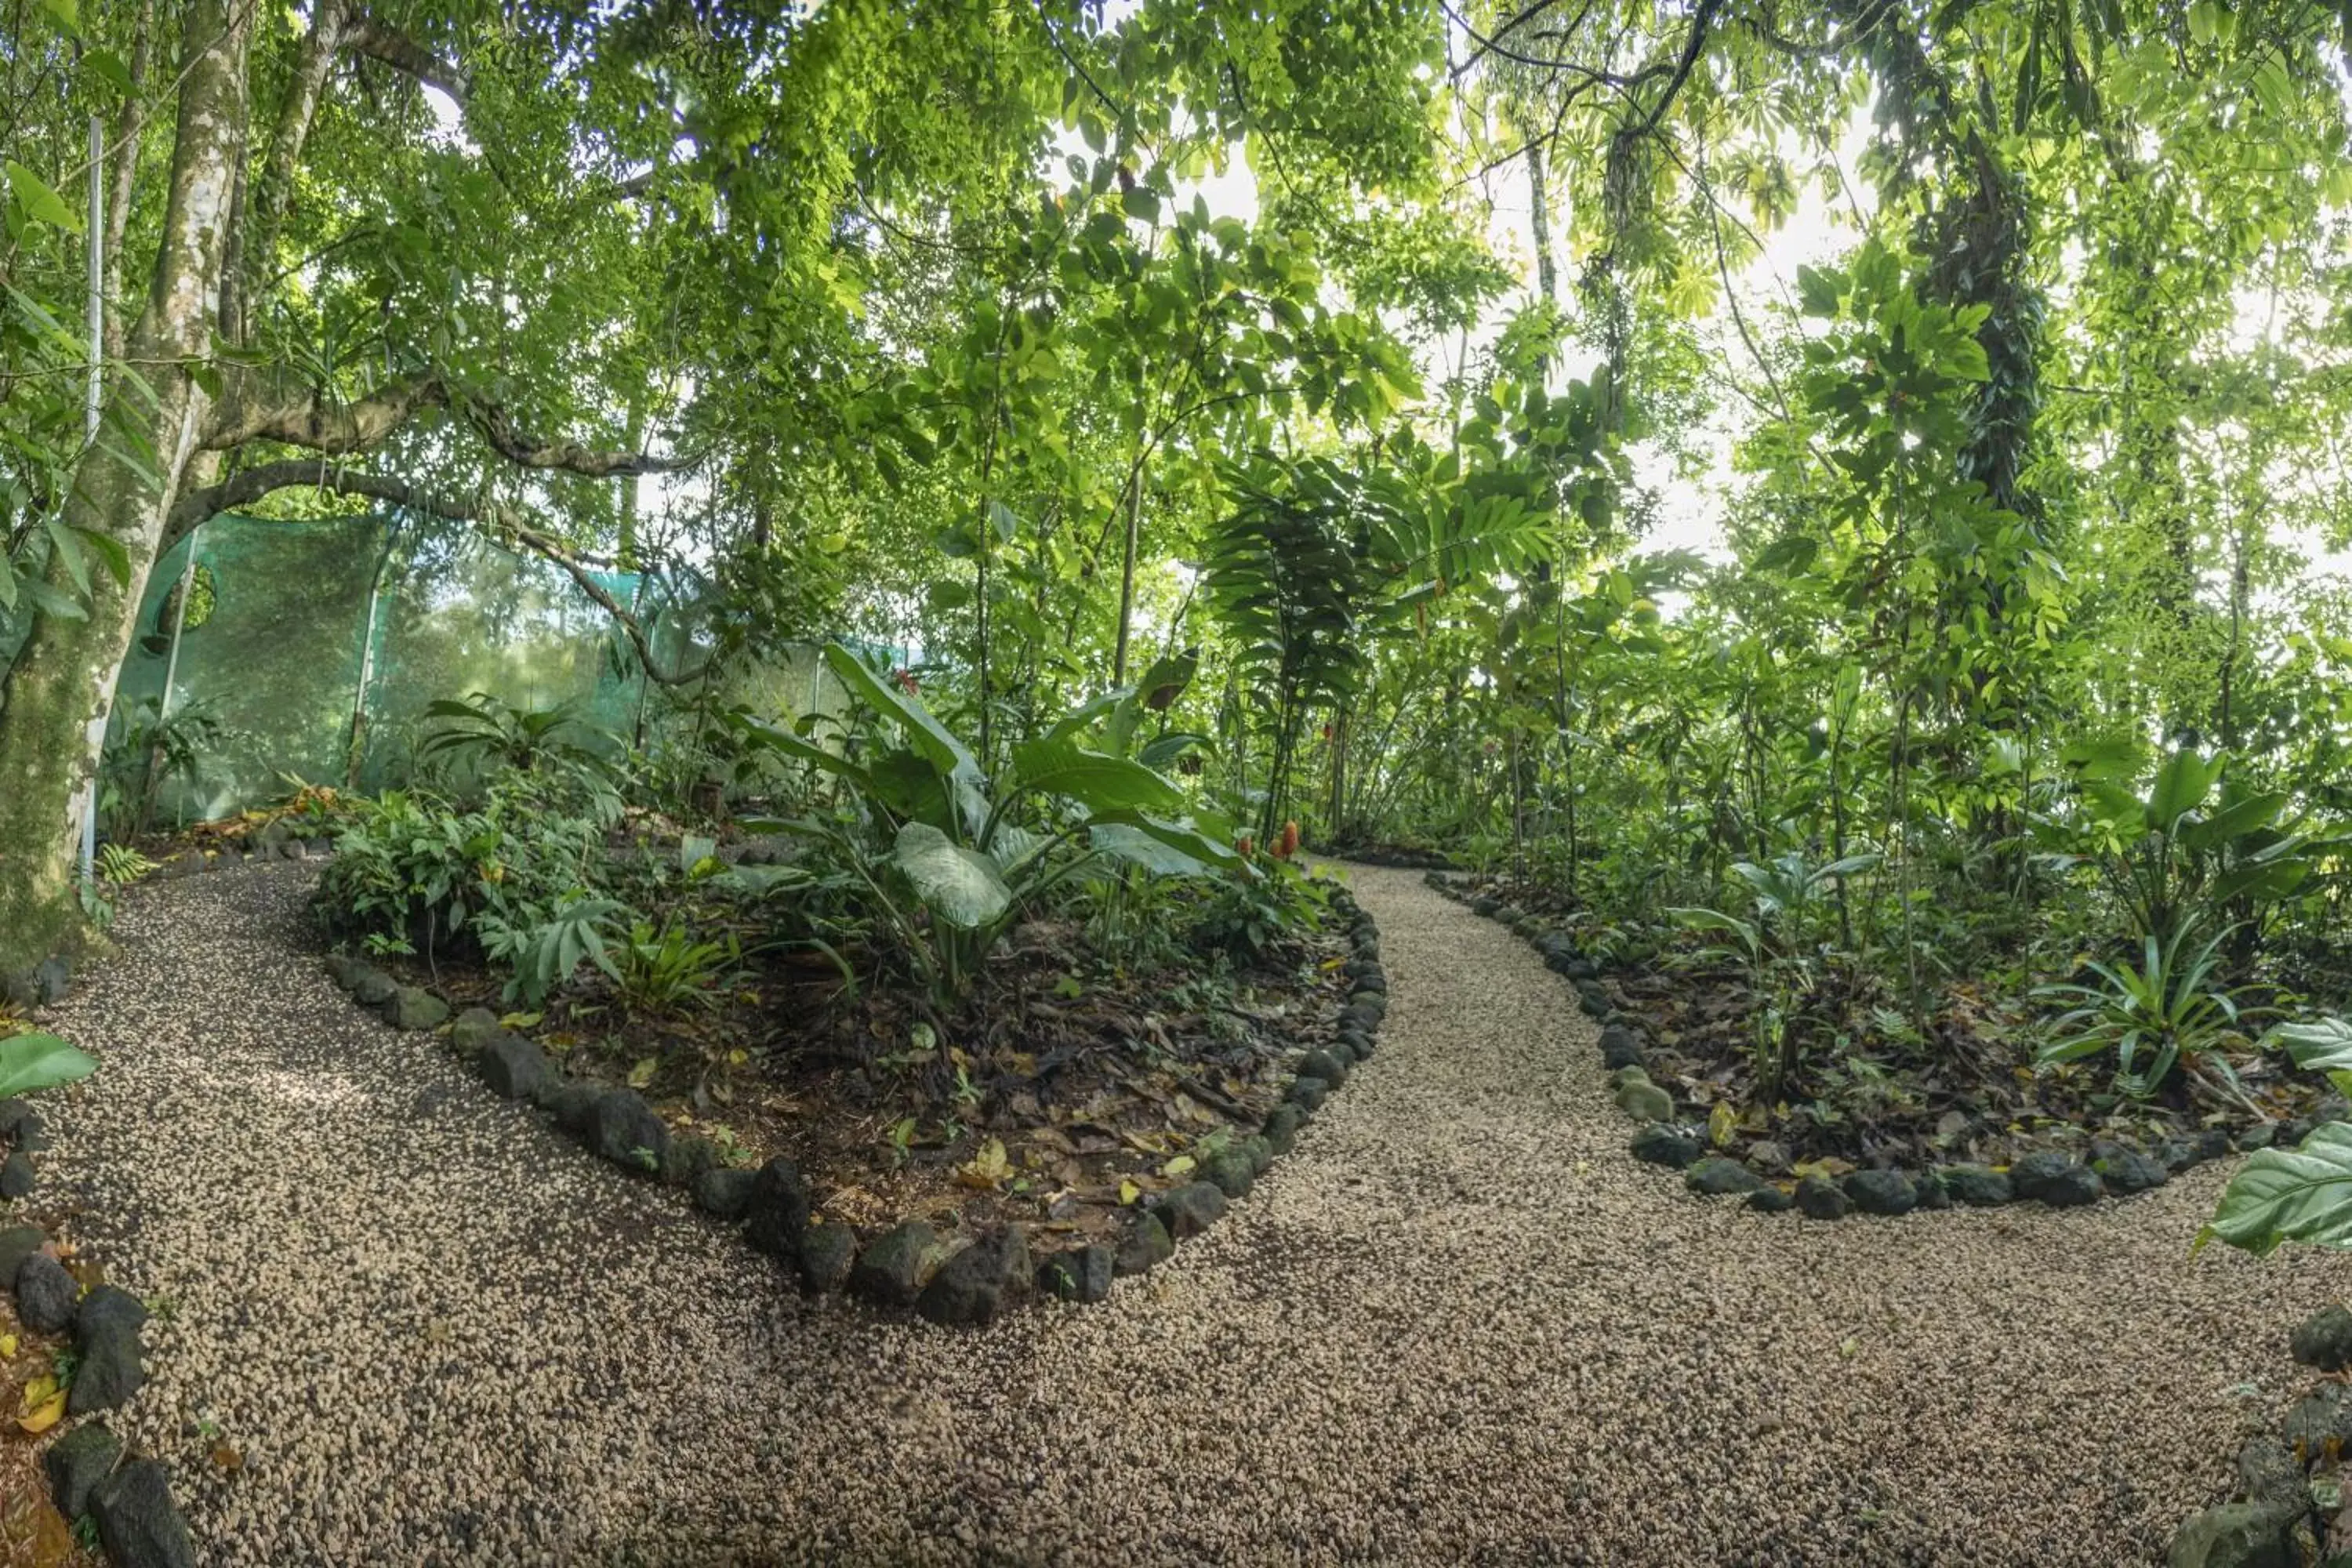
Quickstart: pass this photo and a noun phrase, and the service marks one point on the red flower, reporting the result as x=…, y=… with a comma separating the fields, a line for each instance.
x=907, y=682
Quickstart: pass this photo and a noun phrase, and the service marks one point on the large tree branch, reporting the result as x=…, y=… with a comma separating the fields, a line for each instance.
x=498, y=428
x=406, y=55
x=249, y=485
x=273, y=192
x=254, y=408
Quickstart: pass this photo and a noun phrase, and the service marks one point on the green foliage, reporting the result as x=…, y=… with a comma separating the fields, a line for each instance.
x=34, y=1060
x=945, y=857
x=2168, y=1010
x=2289, y=1195
x=519, y=874
x=483, y=734
x=666, y=971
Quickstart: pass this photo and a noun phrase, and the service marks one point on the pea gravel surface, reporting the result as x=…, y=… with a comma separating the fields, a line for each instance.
x=408, y=1323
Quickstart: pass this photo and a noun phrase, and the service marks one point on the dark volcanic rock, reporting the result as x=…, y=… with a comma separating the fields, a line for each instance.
x=776, y=1209
x=1148, y=1246
x=979, y=1282
x=514, y=1067
x=723, y=1193
x=2053, y=1178
x=1818, y=1197
x=44, y=1294
x=1082, y=1274
x=75, y=1463
x=1189, y=1209
x=827, y=1254
x=1979, y=1186
x=139, y=1524
x=623, y=1129
x=1715, y=1176
x=894, y=1269
x=1881, y=1192
x=2325, y=1339
x=1659, y=1144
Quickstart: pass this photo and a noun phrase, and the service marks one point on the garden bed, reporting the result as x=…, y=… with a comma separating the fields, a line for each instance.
x=1960, y=1114
x=1067, y=1102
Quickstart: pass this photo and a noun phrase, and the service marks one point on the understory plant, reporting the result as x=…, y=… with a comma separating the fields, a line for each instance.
x=2168, y=1010
x=947, y=857
x=2304, y=1193
x=1784, y=966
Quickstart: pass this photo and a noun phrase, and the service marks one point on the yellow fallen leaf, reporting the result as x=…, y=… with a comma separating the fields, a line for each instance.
x=7, y=1346
x=1128, y=1192
x=643, y=1073
x=45, y=1415
x=1179, y=1166
x=40, y=1388
x=987, y=1168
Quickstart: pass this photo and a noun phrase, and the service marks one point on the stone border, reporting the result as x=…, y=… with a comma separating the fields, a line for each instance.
x=909, y=1265
x=2050, y=1177
x=129, y=1497
x=1394, y=858
x=2279, y=1511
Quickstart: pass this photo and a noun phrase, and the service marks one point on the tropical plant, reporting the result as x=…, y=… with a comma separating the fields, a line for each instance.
x=484, y=734
x=2197, y=843
x=2168, y=1010
x=1772, y=946
x=2303, y=1193
x=663, y=969
x=120, y=865
x=34, y=1060
x=934, y=844
x=153, y=752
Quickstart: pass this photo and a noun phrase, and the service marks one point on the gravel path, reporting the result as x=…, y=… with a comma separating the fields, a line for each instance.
x=1458, y=1325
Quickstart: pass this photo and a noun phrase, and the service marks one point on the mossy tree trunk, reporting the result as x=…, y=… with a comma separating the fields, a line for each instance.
x=63, y=679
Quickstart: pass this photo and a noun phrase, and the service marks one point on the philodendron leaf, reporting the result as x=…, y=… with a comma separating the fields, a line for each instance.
x=924, y=731
x=1104, y=827
x=1096, y=780
x=2324, y=1044
x=2290, y=1194
x=40, y=1061
x=959, y=885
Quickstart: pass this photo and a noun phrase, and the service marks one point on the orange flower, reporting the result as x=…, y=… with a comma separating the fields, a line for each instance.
x=1244, y=846
x=1287, y=845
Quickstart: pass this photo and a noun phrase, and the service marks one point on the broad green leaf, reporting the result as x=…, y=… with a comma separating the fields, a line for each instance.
x=959, y=885
x=2182, y=784
x=36, y=1060
x=1186, y=840
x=1094, y=779
x=2290, y=1194
x=41, y=204
x=924, y=730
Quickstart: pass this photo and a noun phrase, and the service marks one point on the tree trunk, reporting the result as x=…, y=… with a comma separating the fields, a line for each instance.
x=1127, y=569
x=64, y=679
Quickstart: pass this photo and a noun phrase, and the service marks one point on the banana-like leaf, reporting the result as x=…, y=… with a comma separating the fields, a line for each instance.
x=2182, y=786
x=1137, y=847
x=1084, y=715
x=907, y=784
x=1162, y=750
x=1094, y=779
x=785, y=744
x=40, y=1061
x=962, y=886
x=1181, y=838
x=2324, y=1044
x=2239, y=816
x=932, y=739
x=2290, y=1194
